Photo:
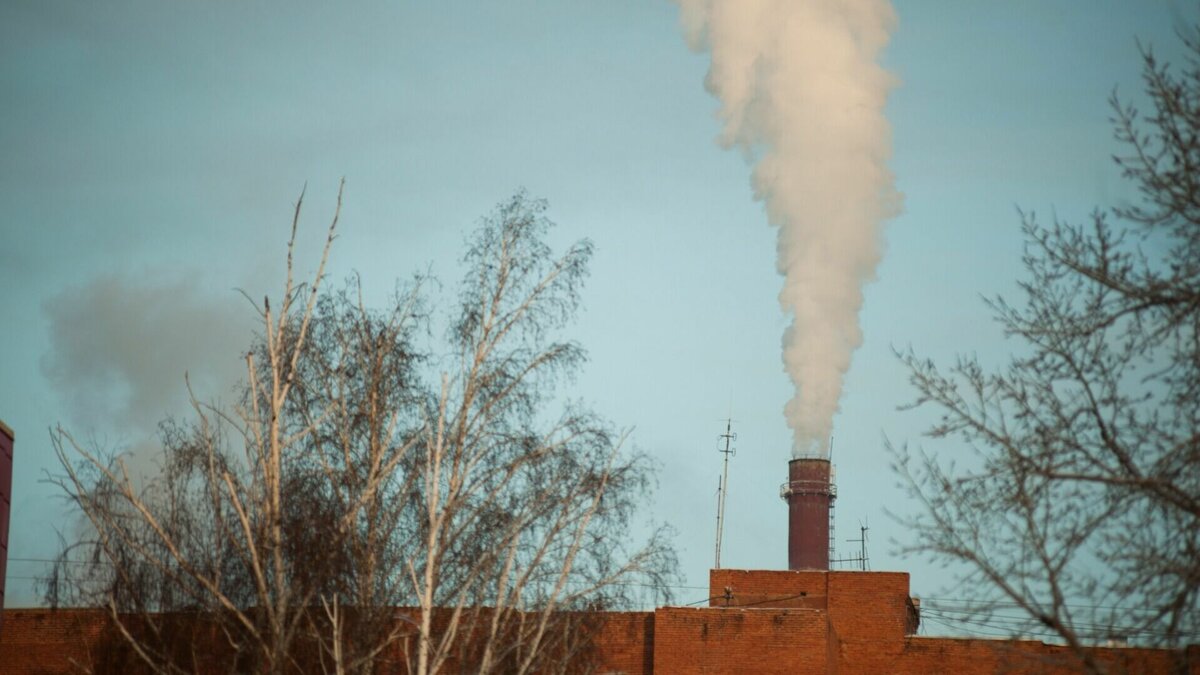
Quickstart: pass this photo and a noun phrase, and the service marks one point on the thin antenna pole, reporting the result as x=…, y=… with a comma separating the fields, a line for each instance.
x=720, y=490
x=862, y=530
x=723, y=486
x=862, y=559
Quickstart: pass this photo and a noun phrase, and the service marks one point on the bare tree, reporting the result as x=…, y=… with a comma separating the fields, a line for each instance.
x=358, y=392
x=208, y=535
x=389, y=503
x=521, y=512
x=1078, y=508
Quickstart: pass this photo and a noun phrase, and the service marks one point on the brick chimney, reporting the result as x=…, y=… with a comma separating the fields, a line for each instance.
x=809, y=494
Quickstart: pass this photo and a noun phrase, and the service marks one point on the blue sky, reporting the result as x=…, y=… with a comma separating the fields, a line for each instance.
x=150, y=154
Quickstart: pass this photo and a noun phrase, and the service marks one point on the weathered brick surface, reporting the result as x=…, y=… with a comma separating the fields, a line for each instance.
x=870, y=606
x=719, y=640
x=868, y=612
x=867, y=616
x=847, y=623
x=1003, y=657
x=40, y=642
x=624, y=643
x=833, y=653
x=768, y=588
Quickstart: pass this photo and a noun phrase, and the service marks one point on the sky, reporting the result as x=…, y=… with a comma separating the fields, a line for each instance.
x=151, y=153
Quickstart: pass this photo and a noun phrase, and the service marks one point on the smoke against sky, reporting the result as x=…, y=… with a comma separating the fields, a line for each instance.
x=119, y=348
x=175, y=136
x=803, y=95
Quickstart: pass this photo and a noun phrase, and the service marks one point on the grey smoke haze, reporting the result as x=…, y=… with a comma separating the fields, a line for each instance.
x=119, y=348
x=803, y=96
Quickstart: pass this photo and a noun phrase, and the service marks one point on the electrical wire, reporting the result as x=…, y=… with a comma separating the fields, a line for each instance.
x=1010, y=603
x=939, y=610
x=1024, y=626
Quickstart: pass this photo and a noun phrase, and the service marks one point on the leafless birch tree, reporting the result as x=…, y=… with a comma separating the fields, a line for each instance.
x=1076, y=512
x=387, y=502
x=209, y=534
x=522, y=512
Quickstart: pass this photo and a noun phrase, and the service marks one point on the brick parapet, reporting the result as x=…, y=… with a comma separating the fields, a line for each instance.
x=861, y=605
x=736, y=640
x=768, y=588
x=1029, y=657
x=858, y=629
x=870, y=606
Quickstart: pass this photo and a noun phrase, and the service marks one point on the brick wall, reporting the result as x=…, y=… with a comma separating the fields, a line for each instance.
x=868, y=618
x=856, y=625
x=869, y=611
x=833, y=651
x=40, y=642
x=768, y=588
x=711, y=640
x=1025, y=657
x=624, y=643
x=868, y=605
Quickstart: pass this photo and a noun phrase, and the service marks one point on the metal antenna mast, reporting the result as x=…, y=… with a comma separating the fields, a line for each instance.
x=723, y=485
x=861, y=558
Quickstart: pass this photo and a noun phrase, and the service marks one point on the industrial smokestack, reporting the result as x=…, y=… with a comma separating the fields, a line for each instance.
x=809, y=494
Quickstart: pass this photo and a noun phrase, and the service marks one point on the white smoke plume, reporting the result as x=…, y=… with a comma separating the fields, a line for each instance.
x=803, y=95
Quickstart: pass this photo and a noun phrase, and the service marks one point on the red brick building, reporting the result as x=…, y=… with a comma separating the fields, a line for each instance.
x=810, y=622
x=802, y=621
x=796, y=622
